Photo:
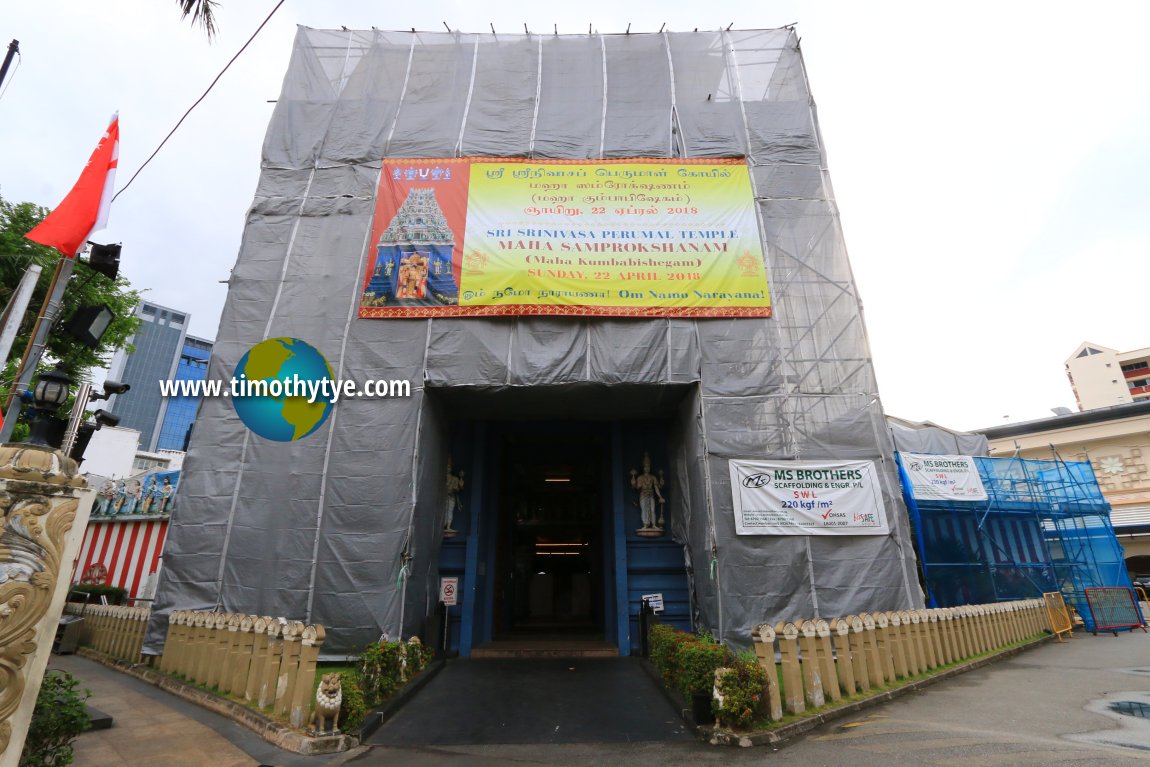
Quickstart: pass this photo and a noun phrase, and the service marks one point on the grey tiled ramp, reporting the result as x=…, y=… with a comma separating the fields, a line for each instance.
x=537, y=700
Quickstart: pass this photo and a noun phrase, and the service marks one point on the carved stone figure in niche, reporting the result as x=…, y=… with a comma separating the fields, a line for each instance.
x=649, y=487
x=105, y=500
x=121, y=495
x=147, y=495
x=454, y=485
x=165, y=497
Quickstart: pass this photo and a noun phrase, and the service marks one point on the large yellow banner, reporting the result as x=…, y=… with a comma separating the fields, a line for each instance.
x=637, y=237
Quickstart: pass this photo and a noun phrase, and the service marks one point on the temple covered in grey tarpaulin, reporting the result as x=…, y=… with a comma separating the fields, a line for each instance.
x=555, y=470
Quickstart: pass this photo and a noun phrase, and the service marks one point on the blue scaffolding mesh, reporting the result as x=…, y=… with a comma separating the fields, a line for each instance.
x=1044, y=527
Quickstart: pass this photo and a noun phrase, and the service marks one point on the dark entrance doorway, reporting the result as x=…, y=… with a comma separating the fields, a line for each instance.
x=550, y=547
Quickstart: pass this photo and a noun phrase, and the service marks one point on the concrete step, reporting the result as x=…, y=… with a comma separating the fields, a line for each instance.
x=527, y=648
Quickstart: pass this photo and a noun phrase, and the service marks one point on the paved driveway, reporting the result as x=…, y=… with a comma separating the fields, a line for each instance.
x=538, y=700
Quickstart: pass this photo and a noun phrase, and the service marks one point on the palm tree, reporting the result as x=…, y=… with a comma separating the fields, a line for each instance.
x=201, y=12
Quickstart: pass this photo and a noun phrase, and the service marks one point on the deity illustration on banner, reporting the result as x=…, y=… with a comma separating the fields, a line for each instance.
x=414, y=254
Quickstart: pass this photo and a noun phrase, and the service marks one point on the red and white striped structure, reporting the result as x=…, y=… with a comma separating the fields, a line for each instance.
x=129, y=551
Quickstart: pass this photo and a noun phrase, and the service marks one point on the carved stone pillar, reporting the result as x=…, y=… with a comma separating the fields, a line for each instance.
x=45, y=504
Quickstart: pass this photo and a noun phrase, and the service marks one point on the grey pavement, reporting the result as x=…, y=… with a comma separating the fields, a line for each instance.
x=1059, y=704
x=152, y=728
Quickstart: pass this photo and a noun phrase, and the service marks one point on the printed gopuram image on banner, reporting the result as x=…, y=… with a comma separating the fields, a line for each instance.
x=627, y=238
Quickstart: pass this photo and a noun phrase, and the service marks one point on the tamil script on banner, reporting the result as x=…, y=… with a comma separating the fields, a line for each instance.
x=943, y=477
x=807, y=498
x=620, y=238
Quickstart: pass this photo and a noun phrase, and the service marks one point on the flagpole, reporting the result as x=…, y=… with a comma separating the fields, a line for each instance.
x=66, y=228
x=35, y=349
x=14, y=312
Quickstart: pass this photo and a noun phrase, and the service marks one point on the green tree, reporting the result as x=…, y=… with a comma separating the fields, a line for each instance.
x=202, y=13
x=58, y=719
x=86, y=288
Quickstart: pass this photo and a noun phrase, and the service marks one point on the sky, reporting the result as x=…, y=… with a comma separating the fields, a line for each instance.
x=990, y=161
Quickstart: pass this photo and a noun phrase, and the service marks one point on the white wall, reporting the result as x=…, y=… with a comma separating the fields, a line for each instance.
x=111, y=452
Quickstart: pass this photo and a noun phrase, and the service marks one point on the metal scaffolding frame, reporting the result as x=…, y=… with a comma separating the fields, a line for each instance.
x=1045, y=526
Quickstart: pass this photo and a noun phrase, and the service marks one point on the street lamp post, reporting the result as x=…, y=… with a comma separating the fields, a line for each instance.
x=50, y=392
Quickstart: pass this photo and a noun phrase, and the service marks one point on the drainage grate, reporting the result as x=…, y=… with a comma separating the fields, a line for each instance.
x=1131, y=708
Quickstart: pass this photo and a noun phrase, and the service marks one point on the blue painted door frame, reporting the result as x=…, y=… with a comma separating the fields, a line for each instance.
x=480, y=578
x=631, y=565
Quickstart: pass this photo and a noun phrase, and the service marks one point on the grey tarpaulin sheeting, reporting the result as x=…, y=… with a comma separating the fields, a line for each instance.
x=931, y=439
x=341, y=528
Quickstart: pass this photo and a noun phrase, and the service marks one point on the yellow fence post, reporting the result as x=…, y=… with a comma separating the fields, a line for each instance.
x=998, y=622
x=269, y=679
x=123, y=621
x=764, y=638
x=169, y=641
x=145, y=616
x=203, y=625
x=975, y=645
x=311, y=639
x=897, y=643
x=965, y=632
x=788, y=634
x=232, y=638
x=205, y=636
x=827, y=671
x=242, y=656
x=874, y=661
x=934, y=624
x=916, y=656
x=258, y=656
x=843, y=661
x=1012, y=621
x=219, y=649
x=946, y=632
x=107, y=629
x=812, y=674
x=101, y=628
x=886, y=643
x=289, y=667
x=859, y=656
x=96, y=613
x=176, y=642
x=981, y=615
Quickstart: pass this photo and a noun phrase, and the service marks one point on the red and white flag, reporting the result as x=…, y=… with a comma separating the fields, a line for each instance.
x=85, y=209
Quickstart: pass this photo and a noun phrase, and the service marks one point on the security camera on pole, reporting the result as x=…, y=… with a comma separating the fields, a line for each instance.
x=79, y=432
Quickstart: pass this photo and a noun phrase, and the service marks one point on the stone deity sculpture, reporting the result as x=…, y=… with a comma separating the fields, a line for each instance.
x=454, y=485
x=649, y=487
x=165, y=500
